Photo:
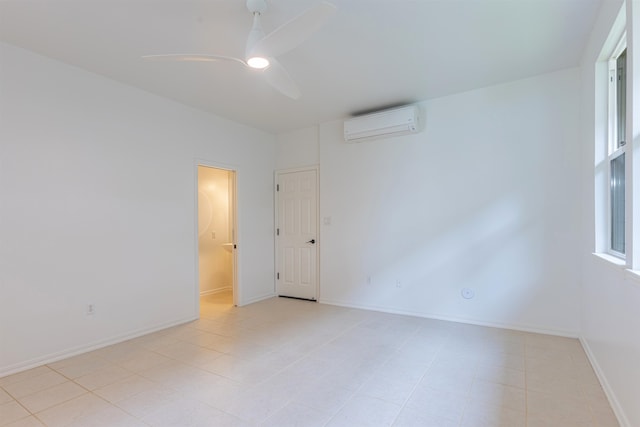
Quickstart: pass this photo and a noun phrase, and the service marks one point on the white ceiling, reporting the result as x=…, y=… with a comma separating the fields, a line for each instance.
x=370, y=54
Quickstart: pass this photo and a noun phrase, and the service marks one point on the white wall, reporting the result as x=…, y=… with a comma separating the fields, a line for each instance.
x=610, y=325
x=297, y=148
x=97, y=205
x=487, y=198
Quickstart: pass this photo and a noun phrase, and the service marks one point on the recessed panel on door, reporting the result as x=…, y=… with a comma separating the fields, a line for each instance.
x=297, y=239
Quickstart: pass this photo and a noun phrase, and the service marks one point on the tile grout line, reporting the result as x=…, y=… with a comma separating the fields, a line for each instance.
x=69, y=380
x=404, y=404
x=532, y=346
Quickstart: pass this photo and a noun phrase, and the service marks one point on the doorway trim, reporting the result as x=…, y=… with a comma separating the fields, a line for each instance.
x=236, y=286
x=276, y=203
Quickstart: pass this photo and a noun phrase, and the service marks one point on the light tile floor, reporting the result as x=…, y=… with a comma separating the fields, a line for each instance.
x=284, y=362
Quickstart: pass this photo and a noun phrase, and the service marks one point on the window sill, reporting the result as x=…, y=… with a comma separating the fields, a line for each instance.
x=612, y=260
x=630, y=276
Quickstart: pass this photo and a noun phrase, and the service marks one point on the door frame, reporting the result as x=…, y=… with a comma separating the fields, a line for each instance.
x=236, y=286
x=276, y=203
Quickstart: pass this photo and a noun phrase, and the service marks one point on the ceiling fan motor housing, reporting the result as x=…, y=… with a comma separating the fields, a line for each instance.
x=257, y=6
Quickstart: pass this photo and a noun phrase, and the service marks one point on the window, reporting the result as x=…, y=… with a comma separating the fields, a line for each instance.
x=616, y=149
x=616, y=183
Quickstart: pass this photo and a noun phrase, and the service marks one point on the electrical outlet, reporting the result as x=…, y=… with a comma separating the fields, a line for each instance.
x=398, y=284
x=91, y=309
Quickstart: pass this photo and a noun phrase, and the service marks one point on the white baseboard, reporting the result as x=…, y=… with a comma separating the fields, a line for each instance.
x=435, y=316
x=608, y=391
x=64, y=354
x=216, y=291
x=256, y=299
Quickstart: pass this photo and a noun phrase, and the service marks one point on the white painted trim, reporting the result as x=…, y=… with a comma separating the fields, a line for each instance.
x=613, y=152
x=235, y=281
x=613, y=46
x=216, y=291
x=513, y=327
x=258, y=299
x=74, y=351
x=618, y=28
x=276, y=174
x=632, y=276
x=610, y=260
x=608, y=391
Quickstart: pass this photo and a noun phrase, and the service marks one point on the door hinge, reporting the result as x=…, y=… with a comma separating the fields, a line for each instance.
x=278, y=276
x=277, y=231
x=277, y=187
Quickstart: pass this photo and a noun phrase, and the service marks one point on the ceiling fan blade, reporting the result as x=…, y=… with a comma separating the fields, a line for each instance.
x=292, y=33
x=279, y=79
x=191, y=58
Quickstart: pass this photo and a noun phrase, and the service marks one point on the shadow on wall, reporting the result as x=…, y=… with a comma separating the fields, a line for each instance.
x=497, y=251
x=485, y=198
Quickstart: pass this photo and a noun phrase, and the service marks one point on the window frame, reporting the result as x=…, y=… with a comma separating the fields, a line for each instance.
x=616, y=145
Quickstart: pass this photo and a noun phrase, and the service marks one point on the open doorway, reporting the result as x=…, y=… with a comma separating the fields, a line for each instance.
x=216, y=239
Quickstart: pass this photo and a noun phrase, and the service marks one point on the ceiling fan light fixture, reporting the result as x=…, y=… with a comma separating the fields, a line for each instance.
x=261, y=51
x=255, y=59
x=258, y=62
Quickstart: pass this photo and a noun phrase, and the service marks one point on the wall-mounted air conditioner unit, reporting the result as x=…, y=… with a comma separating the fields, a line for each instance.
x=382, y=124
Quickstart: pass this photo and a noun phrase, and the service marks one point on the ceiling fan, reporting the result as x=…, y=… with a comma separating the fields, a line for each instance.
x=261, y=49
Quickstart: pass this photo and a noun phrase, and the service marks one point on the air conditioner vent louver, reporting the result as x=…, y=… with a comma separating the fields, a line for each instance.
x=382, y=124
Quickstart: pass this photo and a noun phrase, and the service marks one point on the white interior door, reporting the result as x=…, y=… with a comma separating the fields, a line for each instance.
x=297, y=234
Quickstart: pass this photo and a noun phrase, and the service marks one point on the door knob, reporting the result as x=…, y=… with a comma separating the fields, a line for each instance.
x=312, y=241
